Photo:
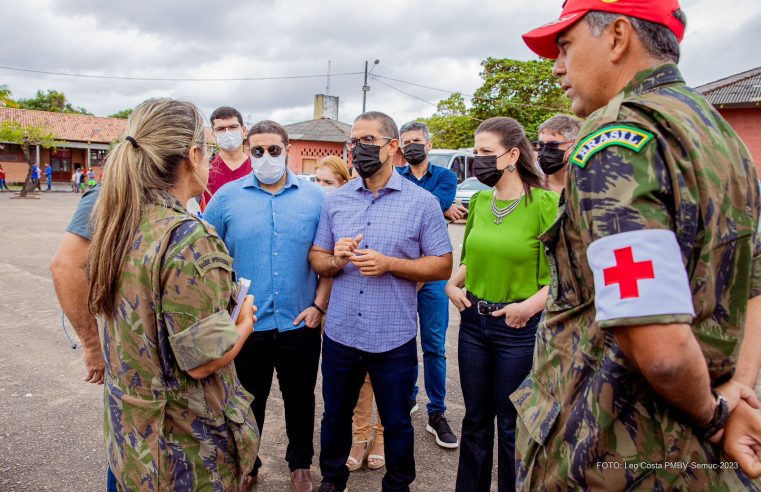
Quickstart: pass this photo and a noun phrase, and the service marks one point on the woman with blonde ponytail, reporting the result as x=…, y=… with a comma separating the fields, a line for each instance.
x=160, y=283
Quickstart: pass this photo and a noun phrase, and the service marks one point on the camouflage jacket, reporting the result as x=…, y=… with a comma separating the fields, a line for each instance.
x=657, y=162
x=165, y=430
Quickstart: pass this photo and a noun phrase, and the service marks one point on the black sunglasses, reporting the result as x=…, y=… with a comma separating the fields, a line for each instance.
x=538, y=146
x=273, y=150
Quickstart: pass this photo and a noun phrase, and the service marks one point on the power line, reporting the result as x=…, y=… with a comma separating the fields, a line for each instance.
x=415, y=97
x=178, y=79
x=403, y=92
x=421, y=85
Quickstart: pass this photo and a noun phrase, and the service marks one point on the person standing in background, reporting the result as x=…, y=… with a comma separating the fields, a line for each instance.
x=432, y=304
x=49, y=176
x=231, y=162
x=556, y=138
x=3, y=184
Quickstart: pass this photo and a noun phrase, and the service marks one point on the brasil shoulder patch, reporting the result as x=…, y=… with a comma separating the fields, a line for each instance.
x=621, y=135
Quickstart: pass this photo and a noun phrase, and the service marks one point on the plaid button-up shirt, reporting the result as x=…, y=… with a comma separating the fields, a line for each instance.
x=379, y=314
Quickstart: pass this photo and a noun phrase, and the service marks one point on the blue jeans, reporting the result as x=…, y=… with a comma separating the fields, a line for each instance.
x=392, y=375
x=433, y=310
x=111, y=482
x=3, y=184
x=494, y=360
x=50, y=183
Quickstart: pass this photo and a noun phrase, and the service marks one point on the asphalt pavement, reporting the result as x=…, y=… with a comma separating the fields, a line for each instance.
x=51, y=435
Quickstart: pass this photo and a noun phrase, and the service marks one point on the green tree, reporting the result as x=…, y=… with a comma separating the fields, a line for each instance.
x=451, y=125
x=123, y=114
x=15, y=133
x=5, y=97
x=523, y=90
x=50, y=101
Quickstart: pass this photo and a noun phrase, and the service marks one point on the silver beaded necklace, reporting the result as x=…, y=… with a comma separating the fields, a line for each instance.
x=501, y=213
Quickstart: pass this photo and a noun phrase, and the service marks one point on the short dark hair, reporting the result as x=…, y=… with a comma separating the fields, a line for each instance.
x=658, y=39
x=225, y=112
x=269, y=126
x=413, y=126
x=388, y=125
x=511, y=135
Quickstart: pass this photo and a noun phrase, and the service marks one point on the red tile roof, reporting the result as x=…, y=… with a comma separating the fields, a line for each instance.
x=740, y=90
x=69, y=127
x=72, y=127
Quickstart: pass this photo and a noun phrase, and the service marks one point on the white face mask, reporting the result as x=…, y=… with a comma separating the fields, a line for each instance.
x=329, y=189
x=268, y=169
x=229, y=141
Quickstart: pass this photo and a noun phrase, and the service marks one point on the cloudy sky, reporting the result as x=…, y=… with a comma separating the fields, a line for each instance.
x=438, y=43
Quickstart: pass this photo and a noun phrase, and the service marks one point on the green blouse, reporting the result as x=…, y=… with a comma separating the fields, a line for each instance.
x=506, y=262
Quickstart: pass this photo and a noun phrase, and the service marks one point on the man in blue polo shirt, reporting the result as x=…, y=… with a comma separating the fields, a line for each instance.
x=432, y=302
x=268, y=221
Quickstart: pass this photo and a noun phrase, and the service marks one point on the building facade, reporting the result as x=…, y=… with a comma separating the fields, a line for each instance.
x=84, y=143
x=738, y=99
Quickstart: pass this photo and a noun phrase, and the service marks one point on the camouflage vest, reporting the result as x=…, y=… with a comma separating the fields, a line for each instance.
x=657, y=157
x=165, y=430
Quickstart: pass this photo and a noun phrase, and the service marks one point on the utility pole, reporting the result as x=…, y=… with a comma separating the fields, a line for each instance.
x=366, y=88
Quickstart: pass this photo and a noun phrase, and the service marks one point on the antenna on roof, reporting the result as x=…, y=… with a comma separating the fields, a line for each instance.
x=327, y=89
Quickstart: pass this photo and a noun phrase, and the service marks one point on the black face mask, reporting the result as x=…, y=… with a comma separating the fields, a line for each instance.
x=551, y=160
x=415, y=153
x=485, y=169
x=366, y=160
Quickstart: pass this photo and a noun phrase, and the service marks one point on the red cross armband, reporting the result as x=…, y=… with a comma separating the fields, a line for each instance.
x=638, y=274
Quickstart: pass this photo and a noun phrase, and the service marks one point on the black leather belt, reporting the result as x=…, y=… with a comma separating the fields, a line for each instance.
x=484, y=308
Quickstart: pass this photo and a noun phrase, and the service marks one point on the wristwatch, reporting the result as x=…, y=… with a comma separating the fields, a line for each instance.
x=719, y=419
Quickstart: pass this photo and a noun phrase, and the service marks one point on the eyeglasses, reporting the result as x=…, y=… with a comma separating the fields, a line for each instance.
x=231, y=128
x=273, y=150
x=538, y=146
x=366, y=140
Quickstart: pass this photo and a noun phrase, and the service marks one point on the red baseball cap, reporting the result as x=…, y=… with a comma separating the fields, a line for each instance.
x=543, y=40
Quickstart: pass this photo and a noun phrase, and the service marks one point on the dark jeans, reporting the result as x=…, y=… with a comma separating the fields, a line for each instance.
x=392, y=375
x=494, y=360
x=111, y=482
x=294, y=355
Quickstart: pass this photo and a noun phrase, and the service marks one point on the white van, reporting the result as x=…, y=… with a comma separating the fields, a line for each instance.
x=458, y=161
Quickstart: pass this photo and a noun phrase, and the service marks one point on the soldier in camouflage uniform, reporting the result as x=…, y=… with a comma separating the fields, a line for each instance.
x=176, y=417
x=654, y=258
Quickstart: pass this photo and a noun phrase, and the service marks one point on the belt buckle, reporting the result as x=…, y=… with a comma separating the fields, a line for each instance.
x=482, y=309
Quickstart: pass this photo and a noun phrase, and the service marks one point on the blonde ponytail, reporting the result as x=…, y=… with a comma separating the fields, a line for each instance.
x=141, y=170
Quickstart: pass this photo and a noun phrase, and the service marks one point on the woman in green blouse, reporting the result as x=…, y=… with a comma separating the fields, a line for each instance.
x=505, y=274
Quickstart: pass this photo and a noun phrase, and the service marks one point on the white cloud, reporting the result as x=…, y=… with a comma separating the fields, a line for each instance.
x=438, y=43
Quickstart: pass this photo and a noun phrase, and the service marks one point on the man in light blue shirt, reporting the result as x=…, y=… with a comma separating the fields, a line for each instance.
x=268, y=221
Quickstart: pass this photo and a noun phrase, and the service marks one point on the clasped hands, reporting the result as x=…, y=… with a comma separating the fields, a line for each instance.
x=741, y=438
x=368, y=261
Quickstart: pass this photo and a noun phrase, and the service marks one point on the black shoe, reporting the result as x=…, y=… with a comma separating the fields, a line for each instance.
x=439, y=427
x=331, y=487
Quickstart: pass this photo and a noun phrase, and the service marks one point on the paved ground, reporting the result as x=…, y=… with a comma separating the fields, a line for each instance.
x=50, y=421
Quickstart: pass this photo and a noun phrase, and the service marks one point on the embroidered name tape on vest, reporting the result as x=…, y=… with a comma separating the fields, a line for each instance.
x=211, y=261
x=624, y=136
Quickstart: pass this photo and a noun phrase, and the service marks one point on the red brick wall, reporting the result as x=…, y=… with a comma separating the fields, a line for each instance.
x=303, y=149
x=747, y=124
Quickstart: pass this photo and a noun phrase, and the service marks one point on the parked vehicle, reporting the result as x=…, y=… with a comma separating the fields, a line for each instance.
x=307, y=177
x=458, y=161
x=467, y=189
